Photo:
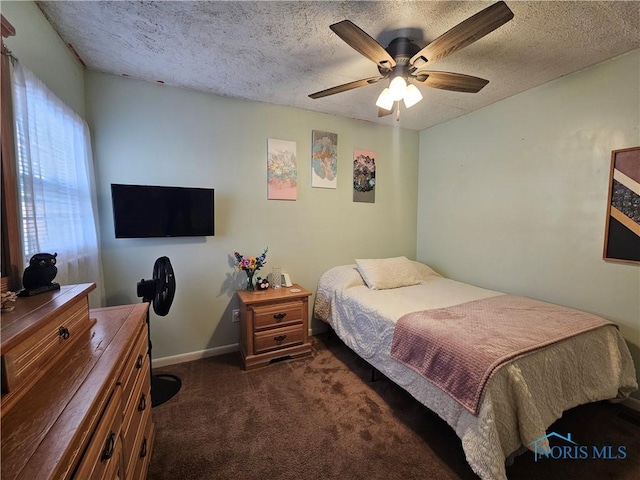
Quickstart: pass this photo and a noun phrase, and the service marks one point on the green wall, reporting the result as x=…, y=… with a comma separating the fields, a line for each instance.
x=153, y=134
x=513, y=197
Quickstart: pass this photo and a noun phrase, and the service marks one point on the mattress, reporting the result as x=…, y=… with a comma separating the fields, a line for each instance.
x=521, y=400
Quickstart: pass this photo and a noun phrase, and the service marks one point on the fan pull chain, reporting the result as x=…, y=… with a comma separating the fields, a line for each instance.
x=398, y=113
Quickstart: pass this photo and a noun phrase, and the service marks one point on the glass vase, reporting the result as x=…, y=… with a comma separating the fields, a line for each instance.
x=250, y=285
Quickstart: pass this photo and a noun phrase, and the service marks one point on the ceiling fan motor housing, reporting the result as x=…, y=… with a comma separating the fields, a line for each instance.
x=401, y=49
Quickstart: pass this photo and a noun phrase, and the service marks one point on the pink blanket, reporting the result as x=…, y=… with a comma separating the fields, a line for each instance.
x=458, y=348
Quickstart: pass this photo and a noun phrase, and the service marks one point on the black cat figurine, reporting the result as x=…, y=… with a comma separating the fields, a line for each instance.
x=39, y=275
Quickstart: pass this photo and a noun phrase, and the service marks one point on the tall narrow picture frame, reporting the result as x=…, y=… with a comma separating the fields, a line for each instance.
x=364, y=176
x=622, y=230
x=324, y=159
x=282, y=172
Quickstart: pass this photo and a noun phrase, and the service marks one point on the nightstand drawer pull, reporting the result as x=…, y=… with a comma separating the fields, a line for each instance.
x=279, y=316
x=139, y=362
x=279, y=338
x=64, y=332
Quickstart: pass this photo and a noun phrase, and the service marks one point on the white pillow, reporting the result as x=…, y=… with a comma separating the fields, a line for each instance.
x=384, y=273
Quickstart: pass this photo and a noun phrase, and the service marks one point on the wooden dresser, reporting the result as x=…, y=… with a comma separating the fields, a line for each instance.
x=274, y=323
x=76, y=390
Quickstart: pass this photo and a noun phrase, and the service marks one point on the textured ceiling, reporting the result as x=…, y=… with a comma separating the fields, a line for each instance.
x=280, y=52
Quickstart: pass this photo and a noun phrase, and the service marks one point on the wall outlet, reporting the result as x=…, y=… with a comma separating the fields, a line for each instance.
x=235, y=315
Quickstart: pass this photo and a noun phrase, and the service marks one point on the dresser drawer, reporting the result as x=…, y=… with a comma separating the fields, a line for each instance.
x=36, y=353
x=277, y=338
x=141, y=464
x=134, y=368
x=137, y=412
x=102, y=458
x=277, y=315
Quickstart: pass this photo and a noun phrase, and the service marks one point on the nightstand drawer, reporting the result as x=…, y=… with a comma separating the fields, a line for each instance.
x=278, y=338
x=277, y=315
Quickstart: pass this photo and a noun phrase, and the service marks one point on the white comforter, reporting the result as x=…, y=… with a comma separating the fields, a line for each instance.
x=521, y=400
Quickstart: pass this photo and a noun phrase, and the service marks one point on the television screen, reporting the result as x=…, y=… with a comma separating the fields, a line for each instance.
x=142, y=211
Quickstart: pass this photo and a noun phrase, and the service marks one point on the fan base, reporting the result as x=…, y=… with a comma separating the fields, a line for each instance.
x=164, y=387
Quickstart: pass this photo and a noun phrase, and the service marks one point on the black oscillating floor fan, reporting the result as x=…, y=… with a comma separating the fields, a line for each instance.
x=160, y=292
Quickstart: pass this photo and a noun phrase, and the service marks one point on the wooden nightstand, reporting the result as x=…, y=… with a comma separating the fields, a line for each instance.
x=274, y=323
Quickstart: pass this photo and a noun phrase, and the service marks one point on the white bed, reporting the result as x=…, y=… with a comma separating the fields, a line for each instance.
x=521, y=400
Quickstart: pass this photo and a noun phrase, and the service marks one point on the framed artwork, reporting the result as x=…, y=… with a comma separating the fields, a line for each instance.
x=282, y=173
x=364, y=176
x=622, y=230
x=324, y=159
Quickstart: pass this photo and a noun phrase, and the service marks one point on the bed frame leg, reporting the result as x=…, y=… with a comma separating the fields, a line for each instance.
x=373, y=374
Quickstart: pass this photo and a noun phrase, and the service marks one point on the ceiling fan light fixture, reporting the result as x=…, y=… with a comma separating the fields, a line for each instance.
x=398, y=88
x=385, y=100
x=412, y=96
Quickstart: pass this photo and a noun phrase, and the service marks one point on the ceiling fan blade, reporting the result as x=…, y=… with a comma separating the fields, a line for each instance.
x=345, y=87
x=465, y=33
x=456, y=82
x=363, y=43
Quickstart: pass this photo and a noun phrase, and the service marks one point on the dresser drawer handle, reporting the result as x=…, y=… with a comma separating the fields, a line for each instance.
x=142, y=404
x=279, y=316
x=107, y=453
x=64, y=332
x=139, y=362
x=279, y=339
x=143, y=450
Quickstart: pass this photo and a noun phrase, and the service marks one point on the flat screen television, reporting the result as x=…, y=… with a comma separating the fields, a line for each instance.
x=144, y=211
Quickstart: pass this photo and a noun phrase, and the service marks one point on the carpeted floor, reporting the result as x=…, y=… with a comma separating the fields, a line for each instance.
x=321, y=417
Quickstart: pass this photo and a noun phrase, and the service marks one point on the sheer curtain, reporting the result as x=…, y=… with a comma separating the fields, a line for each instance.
x=58, y=205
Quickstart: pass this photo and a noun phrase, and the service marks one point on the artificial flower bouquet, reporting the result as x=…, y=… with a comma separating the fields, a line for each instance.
x=250, y=265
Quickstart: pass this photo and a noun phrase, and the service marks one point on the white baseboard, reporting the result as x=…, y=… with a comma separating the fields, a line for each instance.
x=632, y=403
x=211, y=352
x=188, y=357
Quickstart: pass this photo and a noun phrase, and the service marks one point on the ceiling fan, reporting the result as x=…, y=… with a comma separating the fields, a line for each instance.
x=404, y=63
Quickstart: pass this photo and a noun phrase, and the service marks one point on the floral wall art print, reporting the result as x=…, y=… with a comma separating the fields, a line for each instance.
x=324, y=159
x=282, y=174
x=364, y=176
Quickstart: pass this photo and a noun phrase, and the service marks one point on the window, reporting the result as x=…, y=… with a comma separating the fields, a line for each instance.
x=56, y=196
